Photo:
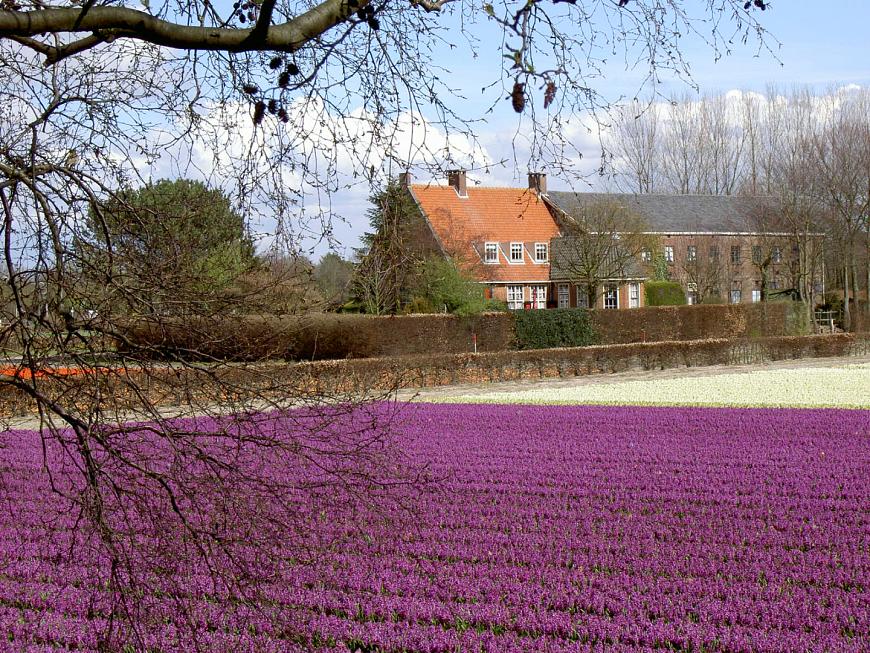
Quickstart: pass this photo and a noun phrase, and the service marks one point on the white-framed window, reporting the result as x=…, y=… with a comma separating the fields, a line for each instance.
x=646, y=255
x=669, y=253
x=611, y=296
x=634, y=295
x=542, y=252
x=582, y=297
x=756, y=296
x=735, y=295
x=776, y=255
x=538, y=296
x=692, y=253
x=516, y=252
x=735, y=255
x=691, y=293
x=490, y=252
x=563, y=295
x=515, y=297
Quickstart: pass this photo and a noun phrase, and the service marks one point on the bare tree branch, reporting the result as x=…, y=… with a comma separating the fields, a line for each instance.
x=123, y=22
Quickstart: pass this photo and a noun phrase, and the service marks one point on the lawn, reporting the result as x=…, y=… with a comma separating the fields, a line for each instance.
x=550, y=528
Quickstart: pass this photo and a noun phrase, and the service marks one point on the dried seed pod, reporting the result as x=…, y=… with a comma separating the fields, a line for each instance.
x=283, y=79
x=276, y=62
x=259, y=112
x=250, y=89
x=549, y=93
x=282, y=115
x=292, y=69
x=273, y=106
x=374, y=24
x=518, y=97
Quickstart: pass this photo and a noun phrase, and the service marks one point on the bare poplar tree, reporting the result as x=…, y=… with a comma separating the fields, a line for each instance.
x=636, y=146
x=789, y=173
x=725, y=138
x=842, y=152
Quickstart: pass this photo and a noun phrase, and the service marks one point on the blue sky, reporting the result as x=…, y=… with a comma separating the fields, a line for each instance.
x=821, y=44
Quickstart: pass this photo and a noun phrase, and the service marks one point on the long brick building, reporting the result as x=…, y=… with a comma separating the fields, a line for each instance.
x=719, y=248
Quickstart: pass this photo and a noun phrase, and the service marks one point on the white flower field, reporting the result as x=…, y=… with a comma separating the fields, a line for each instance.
x=800, y=387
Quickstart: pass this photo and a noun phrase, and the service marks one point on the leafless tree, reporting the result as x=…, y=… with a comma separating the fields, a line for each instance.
x=842, y=151
x=602, y=242
x=636, y=144
x=789, y=173
x=802, y=148
x=269, y=101
x=690, y=146
x=706, y=275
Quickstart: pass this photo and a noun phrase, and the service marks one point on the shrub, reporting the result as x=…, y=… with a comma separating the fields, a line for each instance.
x=443, y=286
x=664, y=293
x=558, y=327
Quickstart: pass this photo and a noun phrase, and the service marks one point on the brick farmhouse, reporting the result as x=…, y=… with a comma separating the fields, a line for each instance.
x=719, y=248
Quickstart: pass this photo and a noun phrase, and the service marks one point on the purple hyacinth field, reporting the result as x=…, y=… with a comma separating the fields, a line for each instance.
x=544, y=528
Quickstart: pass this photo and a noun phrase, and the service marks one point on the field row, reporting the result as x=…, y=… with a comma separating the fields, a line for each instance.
x=542, y=529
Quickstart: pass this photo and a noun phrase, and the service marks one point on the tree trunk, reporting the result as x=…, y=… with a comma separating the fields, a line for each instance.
x=847, y=316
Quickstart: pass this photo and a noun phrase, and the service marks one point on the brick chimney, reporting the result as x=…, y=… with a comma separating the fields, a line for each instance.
x=538, y=182
x=456, y=178
x=405, y=179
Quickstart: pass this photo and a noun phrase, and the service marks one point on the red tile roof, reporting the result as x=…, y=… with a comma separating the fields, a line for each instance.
x=502, y=215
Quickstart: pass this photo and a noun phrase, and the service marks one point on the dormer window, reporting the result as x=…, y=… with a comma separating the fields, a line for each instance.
x=542, y=252
x=516, y=252
x=490, y=253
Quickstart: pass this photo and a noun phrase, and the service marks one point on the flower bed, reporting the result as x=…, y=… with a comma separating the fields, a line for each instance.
x=551, y=529
x=833, y=387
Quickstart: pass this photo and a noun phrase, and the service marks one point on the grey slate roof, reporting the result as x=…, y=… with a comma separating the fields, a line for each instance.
x=562, y=251
x=677, y=213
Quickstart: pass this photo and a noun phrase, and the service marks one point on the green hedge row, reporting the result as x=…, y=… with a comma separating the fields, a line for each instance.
x=558, y=327
x=664, y=293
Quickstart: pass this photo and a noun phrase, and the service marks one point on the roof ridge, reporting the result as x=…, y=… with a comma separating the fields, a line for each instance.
x=471, y=187
x=705, y=195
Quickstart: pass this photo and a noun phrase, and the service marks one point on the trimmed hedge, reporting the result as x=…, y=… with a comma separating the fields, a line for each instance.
x=315, y=336
x=664, y=293
x=658, y=323
x=379, y=374
x=558, y=327
x=171, y=385
x=334, y=336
